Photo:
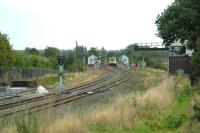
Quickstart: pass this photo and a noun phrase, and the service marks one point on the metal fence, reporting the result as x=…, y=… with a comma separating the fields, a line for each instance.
x=9, y=74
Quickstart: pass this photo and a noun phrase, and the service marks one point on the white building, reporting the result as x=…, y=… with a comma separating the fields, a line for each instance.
x=92, y=60
x=124, y=61
x=177, y=46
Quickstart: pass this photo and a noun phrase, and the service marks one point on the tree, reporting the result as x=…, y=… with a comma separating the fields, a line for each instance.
x=6, y=53
x=93, y=51
x=51, y=52
x=22, y=60
x=103, y=54
x=133, y=55
x=115, y=53
x=80, y=57
x=195, y=75
x=80, y=51
x=69, y=57
x=180, y=21
x=32, y=51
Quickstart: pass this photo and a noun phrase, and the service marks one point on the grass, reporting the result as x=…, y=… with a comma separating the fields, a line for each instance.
x=159, y=97
x=195, y=104
x=53, y=80
x=172, y=115
x=157, y=104
x=67, y=124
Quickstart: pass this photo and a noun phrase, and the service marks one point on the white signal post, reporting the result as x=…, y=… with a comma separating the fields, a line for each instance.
x=61, y=65
x=61, y=75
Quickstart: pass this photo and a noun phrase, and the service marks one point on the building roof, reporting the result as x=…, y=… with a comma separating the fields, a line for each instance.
x=124, y=56
x=92, y=56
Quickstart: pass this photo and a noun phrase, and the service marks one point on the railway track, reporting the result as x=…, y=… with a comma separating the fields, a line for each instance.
x=20, y=101
x=10, y=94
x=114, y=77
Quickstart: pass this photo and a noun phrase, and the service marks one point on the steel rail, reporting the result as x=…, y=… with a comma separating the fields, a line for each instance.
x=21, y=101
x=121, y=78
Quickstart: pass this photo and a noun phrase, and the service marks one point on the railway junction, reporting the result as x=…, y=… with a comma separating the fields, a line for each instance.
x=110, y=78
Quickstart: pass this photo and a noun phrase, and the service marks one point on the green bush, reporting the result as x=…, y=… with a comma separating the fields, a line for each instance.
x=174, y=121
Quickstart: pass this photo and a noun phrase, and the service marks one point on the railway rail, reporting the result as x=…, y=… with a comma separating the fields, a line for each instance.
x=11, y=93
x=113, y=77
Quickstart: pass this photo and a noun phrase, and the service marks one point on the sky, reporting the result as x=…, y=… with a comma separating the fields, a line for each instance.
x=112, y=24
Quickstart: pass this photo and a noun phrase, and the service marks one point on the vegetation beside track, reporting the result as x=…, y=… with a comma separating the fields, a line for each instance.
x=69, y=77
x=157, y=104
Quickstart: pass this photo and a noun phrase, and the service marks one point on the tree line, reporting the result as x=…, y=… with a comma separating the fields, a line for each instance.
x=74, y=59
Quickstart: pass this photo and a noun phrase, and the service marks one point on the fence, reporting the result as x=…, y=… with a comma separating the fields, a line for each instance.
x=9, y=74
x=180, y=63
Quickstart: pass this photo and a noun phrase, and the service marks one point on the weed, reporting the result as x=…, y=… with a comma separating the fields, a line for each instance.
x=27, y=124
x=159, y=107
x=173, y=121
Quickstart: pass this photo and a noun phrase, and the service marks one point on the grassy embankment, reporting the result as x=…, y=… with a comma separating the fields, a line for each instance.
x=155, y=105
x=68, y=78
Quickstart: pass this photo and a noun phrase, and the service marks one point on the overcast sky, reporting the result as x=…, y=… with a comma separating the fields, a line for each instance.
x=113, y=24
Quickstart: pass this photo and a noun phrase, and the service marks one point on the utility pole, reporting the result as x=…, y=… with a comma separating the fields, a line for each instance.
x=77, y=59
x=82, y=58
x=84, y=64
x=105, y=58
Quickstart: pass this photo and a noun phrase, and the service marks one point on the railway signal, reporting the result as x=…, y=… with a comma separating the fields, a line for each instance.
x=61, y=64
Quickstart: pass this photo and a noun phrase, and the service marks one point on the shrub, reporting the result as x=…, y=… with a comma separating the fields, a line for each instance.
x=173, y=121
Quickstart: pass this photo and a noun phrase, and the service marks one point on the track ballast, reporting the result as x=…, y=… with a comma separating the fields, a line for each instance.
x=112, y=77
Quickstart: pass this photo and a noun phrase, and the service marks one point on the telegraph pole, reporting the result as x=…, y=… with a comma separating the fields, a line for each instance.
x=84, y=64
x=99, y=57
x=77, y=57
x=82, y=58
x=105, y=58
